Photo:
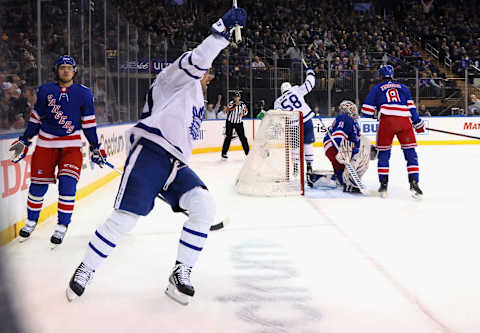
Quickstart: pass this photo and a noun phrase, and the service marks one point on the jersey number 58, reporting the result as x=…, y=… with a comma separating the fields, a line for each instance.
x=292, y=100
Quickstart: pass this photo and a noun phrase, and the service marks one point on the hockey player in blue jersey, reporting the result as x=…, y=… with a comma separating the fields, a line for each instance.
x=353, y=148
x=63, y=108
x=398, y=117
x=157, y=164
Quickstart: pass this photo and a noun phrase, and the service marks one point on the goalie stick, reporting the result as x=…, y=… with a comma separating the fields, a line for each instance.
x=213, y=227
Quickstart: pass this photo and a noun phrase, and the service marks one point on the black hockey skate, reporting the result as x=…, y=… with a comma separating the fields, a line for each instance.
x=58, y=235
x=351, y=189
x=415, y=189
x=180, y=289
x=383, y=187
x=82, y=276
x=27, y=230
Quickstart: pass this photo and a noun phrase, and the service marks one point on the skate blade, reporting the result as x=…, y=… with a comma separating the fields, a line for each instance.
x=53, y=246
x=70, y=294
x=416, y=196
x=23, y=239
x=177, y=296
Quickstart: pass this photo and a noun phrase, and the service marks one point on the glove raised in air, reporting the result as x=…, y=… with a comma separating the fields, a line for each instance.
x=224, y=26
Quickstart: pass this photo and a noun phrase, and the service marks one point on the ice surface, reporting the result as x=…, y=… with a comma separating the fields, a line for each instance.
x=290, y=264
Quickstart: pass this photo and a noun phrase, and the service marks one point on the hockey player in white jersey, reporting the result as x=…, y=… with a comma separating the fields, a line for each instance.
x=161, y=146
x=293, y=99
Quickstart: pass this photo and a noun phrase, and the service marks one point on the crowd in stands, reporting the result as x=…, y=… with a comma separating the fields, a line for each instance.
x=327, y=32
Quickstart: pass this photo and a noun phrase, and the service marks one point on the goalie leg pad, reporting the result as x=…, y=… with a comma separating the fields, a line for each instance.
x=202, y=210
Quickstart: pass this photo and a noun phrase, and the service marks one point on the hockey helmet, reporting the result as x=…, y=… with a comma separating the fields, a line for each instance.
x=285, y=87
x=349, y=108
x=66, y=59
x=386, y=71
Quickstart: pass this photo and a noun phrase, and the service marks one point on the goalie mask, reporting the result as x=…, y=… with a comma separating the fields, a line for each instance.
x=349, y=108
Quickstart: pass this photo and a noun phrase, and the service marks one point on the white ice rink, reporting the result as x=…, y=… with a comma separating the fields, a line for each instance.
x=283, y=265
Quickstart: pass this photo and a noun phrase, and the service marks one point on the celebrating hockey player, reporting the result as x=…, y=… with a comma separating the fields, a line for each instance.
x=61, y=110
x=292, y=98
x=353, y=148
x=398, y=116
x=157, y=164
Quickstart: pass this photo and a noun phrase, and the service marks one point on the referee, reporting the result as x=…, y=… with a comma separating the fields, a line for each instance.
x=235, y=111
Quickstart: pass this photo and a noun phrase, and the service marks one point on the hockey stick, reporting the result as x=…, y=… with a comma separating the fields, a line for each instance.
x=295, y=46
x=348, y=166
x=213, y=227
x=453, y=133
x=238, y=32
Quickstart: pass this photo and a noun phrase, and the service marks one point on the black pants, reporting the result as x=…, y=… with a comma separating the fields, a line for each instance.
x=228, y=136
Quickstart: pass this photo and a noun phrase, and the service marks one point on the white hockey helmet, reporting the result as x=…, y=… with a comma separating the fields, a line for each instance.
x=285, y=87
x=349, y=108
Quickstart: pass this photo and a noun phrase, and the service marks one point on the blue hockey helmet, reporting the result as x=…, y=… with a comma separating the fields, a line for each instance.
x=386, y=71
x=66, y=59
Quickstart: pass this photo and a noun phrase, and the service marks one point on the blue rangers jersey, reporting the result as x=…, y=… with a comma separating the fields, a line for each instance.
x=173, y=113
x=59, y=115
x=390, y=98
x=343, y=127
x=293, y=99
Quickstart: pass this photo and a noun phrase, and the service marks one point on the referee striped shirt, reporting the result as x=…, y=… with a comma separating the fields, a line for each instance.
x=236, y=112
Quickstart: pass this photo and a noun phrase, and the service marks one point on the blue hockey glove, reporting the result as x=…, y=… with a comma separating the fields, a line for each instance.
x=19, y=149
x=228, y=21
x=98, y=155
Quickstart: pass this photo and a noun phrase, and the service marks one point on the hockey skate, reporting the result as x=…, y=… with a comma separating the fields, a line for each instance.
x=82, y=276
x=180, y=289
x=27, y=230
x=58, y=235
x=383, y=187
x=415, y=190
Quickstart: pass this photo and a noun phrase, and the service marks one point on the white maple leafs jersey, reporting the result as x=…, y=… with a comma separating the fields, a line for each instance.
x=293, y=99
x=173, y=113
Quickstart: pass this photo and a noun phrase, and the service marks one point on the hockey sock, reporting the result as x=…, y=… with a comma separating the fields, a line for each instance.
x=67, y=187
x=308, y=148
x=383, y=163
x=201, y=207
x=36, y=192
x=106, y=237
x=412, y=163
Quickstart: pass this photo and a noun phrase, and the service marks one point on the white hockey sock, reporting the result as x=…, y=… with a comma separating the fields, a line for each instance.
x=201, y=207
x=308, y=149
x=107, y=236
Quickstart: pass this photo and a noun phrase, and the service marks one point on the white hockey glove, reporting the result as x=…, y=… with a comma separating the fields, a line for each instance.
x=344, y=154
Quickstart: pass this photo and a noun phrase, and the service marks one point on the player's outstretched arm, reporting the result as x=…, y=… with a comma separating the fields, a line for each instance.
x=194, y=64
x=368, y=107
x=309, y=83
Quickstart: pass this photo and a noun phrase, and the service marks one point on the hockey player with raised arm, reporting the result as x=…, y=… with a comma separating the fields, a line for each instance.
x=353, y=148
x=63, y=108
x=398, y=116
x=157, y=164
x=292, y=98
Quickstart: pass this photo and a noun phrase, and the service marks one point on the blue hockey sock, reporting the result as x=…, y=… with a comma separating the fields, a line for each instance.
x=67, y=187
x=36, y=192
x=383, y=164
x=412, y=163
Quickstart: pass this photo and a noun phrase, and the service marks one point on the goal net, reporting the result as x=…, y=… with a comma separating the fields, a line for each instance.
x=275, y=164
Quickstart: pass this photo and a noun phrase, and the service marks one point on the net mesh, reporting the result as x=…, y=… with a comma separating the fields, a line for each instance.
x=274, y=166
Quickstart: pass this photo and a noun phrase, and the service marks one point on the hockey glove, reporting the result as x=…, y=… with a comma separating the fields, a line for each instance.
x=261, y=115
x=19, y=149
x=98, y=155
x=224, y=26
x=345, y=150
x=419, y=126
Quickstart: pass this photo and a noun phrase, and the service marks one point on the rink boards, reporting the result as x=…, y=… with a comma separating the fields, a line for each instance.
x=15, y=178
